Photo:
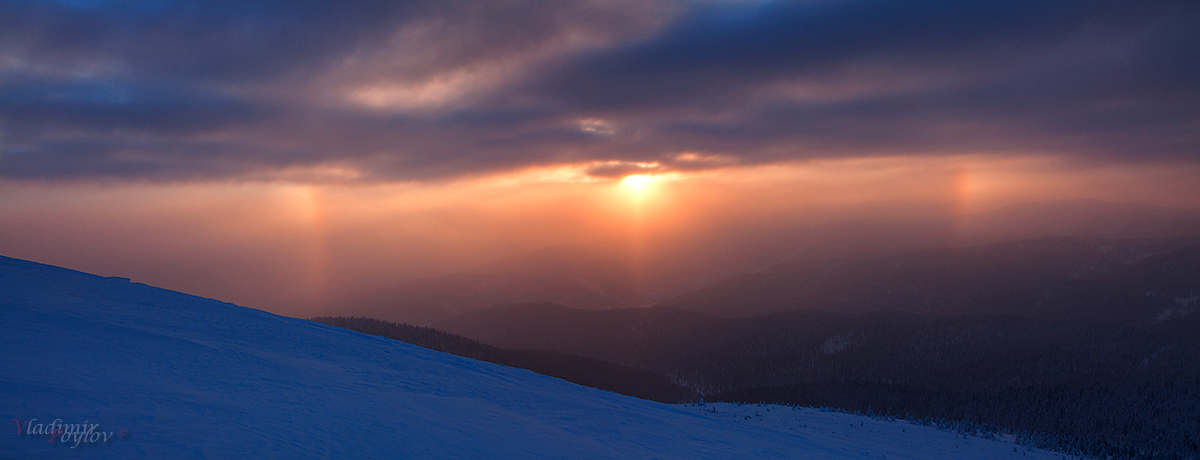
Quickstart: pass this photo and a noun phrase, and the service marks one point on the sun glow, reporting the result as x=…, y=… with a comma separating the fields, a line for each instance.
x=638, y=183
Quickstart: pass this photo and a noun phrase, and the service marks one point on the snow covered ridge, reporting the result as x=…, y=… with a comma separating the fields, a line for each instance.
x=189, y=377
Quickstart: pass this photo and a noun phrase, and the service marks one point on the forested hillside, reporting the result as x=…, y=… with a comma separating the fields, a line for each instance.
x=1100, y=388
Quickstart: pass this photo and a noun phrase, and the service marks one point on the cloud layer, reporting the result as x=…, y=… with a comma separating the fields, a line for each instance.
x=378, y=91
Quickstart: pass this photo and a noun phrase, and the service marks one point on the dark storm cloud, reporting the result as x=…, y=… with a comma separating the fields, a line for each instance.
x=723, y=50
x=1057, y=77
x=237, y=89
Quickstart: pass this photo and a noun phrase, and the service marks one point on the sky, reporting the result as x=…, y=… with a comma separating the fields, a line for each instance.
x=276, y=154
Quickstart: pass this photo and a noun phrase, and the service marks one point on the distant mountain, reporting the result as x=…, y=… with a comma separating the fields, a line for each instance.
x=864, y=238
x=1056, y=278
x=572, y=368
x=568, y=275
x=1082, y=219
x=1104, y=389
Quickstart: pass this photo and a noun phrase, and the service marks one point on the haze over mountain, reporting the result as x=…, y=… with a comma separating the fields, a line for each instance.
x=1055, y=278
x=777, y=263
x=1082, y=218
x=565, y=275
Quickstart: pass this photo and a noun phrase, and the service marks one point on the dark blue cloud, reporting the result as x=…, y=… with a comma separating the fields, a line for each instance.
x=184, y=90
x=37, y=108
x=724, y=50
x=226, y=41
x=1110, y=80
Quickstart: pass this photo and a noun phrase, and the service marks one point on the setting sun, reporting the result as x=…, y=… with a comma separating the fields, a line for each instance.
x=638, y=183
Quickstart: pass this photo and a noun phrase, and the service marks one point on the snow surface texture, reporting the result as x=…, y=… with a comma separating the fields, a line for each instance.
x=173, y=376
x=868, y=437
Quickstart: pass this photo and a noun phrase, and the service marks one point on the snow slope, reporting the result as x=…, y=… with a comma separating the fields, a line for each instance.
x=172, y=376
